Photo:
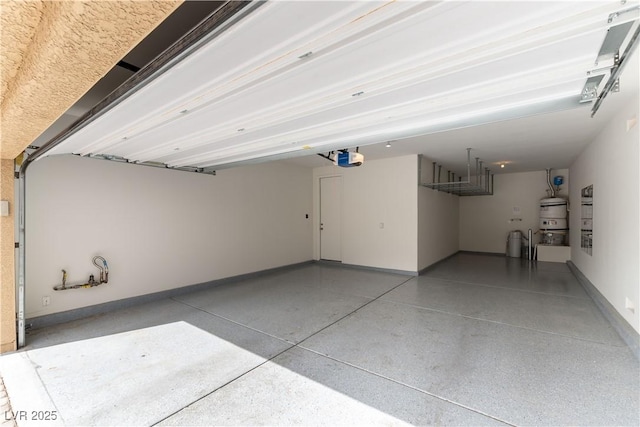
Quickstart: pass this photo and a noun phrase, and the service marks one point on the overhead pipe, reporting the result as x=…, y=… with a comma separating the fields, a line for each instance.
x=553, y=191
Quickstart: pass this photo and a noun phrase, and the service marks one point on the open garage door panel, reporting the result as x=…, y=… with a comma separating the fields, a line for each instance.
x=282, y=79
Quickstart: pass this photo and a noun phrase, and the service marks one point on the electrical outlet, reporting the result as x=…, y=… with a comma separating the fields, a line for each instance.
x=46, y=300
x=628, y=304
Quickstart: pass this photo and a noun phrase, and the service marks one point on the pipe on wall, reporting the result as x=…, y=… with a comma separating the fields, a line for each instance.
x=553, y=191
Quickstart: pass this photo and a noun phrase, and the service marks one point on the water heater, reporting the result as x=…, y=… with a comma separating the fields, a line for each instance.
x=553, y=221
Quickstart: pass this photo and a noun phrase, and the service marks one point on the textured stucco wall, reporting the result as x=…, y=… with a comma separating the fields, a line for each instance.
x=54, y=51
x=16, y=38
x=7, y=271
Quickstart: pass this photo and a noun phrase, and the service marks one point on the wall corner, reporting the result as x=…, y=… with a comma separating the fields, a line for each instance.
x=7, y=254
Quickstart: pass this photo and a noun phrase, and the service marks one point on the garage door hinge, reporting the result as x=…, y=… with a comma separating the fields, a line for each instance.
x=17, y=245
x=16, y=175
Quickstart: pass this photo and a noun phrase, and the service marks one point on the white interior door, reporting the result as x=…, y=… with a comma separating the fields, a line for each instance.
x=331, y=218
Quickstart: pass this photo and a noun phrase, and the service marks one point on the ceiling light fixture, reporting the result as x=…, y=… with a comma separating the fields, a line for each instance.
x=502, y=165
x=388, y=144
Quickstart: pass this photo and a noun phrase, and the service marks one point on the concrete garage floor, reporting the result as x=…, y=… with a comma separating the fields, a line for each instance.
x=478, y=340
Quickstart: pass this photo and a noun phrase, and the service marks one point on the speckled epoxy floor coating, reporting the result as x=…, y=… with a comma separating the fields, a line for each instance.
x=478, y=340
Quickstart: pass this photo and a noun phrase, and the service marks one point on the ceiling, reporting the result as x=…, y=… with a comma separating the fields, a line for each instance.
x=291, y=79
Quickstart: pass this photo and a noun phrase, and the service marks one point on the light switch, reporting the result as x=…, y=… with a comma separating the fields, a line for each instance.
x=4, y=208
